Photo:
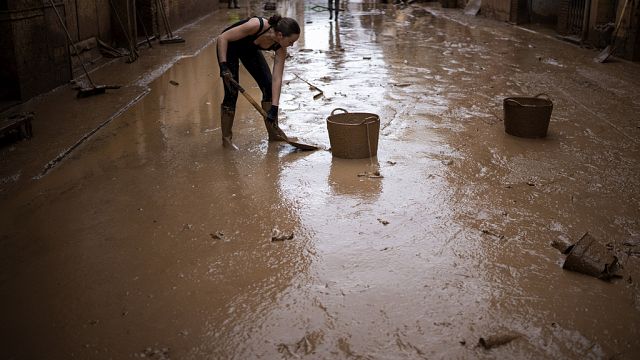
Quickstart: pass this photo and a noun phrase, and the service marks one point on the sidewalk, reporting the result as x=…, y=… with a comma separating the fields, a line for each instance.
x=62, y=123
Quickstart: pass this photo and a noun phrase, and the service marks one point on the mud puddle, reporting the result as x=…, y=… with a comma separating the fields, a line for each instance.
x=153, y=240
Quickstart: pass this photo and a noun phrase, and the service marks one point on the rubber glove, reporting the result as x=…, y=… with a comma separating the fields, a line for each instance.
x=272, y=115
x=225, y=73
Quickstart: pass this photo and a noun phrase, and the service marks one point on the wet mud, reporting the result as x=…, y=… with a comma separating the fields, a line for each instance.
x=152, y=240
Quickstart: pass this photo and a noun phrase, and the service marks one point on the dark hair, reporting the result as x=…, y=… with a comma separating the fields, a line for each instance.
x=287, y=26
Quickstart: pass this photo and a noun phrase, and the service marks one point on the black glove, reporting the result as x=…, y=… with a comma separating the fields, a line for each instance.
x=272, y=115
x=225, y=73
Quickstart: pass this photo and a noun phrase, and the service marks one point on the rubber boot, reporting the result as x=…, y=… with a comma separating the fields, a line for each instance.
x=226, y=124
x=273, y=133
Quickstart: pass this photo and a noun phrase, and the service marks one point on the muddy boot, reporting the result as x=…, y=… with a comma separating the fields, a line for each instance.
x=271, y=129
x=226, y=123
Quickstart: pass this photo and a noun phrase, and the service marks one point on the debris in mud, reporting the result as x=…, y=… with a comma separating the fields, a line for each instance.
x=373, y=175
x=497, y=340
x=562, y=245
x=491, y=233
x=174, y=83
x=366, y=58
x=218, y=235
x=383, y=222
x=391, y=162
x=155, y=354
x=447, y=162
x=402, y=85
x=591, y=257
x=187, y=227
x=277, y=235
x=312, y=88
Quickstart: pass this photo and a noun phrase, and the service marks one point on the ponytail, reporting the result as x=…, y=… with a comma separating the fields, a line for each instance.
x=287, y=26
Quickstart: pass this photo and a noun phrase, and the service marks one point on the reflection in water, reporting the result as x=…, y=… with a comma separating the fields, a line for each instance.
x=350, y=177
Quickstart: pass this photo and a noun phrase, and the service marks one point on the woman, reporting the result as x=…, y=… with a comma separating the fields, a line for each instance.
x=244, y=41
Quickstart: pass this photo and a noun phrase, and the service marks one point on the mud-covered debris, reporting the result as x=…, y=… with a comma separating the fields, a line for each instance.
x=497, y=340
x=218, y=235
x=563, y=245
x=373, y=175
x=155, y=354
x=186, y=227
x=174, y=83
x=305, y=345
x=383, y=222
x=284, y=350
x=277, y=235
x=401, y=85
x=531, y=183
x=391, y=162
x=305, y=50
x=592, y=257
x=318, y=96
x=366, y=58
x=447, y=162
x=491, y=233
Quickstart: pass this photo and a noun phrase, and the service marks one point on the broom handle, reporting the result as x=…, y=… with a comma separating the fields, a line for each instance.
x=72, y=43
x=248, y=97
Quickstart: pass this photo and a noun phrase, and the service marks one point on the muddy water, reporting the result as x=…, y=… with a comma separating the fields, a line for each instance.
x=153, y=240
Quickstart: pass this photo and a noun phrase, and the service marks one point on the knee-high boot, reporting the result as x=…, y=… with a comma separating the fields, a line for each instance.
x=271, y=128
x=226, y=124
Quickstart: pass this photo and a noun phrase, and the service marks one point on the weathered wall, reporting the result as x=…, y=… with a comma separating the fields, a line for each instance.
x=181, y=12
x=496, y=9
x=36, y=53
x=544, y=11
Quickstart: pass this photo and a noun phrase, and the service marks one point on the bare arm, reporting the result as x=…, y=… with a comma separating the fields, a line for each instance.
x=278, y=70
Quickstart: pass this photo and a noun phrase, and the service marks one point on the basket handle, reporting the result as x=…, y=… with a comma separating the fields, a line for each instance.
x=334, y=110
x=515, y=101
x=367, y=119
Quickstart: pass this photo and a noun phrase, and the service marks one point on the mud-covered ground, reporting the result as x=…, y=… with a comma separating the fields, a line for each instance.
x=149, y=239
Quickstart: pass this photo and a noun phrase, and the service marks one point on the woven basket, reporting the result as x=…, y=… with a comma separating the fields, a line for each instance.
x=353, y=135
x=527, y=116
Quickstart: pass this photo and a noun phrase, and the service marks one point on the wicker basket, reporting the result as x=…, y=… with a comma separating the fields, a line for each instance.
x=353, y=135
x=527, y=116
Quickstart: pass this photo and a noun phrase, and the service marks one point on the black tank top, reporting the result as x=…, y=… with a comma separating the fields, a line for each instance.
x=248, y=41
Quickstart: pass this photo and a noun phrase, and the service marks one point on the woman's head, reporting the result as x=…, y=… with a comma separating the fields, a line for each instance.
x=286, y=29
